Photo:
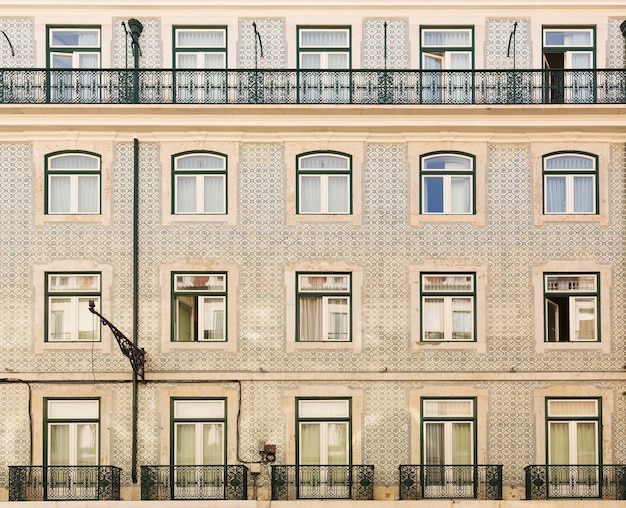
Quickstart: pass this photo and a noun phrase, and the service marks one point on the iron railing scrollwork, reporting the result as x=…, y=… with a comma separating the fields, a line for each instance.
x=308, y=86
x=451, y=482
x=606, y=481
x=224, y=482
x=64, y=483
x=291, y=482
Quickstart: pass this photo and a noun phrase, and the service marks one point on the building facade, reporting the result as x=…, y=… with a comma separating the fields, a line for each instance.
x=353, y=251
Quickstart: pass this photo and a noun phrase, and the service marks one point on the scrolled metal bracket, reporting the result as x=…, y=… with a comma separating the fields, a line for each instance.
x=136, y=355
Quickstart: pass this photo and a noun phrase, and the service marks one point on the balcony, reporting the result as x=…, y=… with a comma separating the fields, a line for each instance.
x=482, y=482
x=194, y=482
x=64, y=483
x=590, y=481
x=289, y=86
x=323, y=482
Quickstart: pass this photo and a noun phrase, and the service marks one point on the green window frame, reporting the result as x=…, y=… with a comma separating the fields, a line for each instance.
x=324, y=47
x=199, y=307
x=199, y=183
x=198, y=433
x=448, y=306
x=323, y=430
x=447, y=183
x=68, y=318
x=71, y=432
x=448, y=433
x=73, y=183
x=206, y=44
x=324, y=183
x=323, y=306
x=570, y=183
x=451, y=46
x=571, y=307
x=561, y=43
x=76, y=45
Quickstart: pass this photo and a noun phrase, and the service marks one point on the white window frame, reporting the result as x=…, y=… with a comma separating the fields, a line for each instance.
x=76, y=299
x=446, y=175
x=74, y=174
x=197, y=308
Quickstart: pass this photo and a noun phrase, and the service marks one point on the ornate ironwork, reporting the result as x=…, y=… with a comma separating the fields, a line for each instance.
x=292, y=86
x=228, y=482
x=607, y=481
x=136, y=355
x=64, y=483
x=322, y=482
x=451, y=482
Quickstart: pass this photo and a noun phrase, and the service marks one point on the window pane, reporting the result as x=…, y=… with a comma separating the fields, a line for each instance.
x=568, y=162
x=461, y=195
x=59, y=327
x=213, y=311
x=88, y=324
x=213, y=443
x=339, y=408
x=200, y=39
x=449, y=408
x=462, y=443
x=187, y=61
x=61, y=61
x=559, y=443
x=573, y=407
x=200, y=282
x=59, y=436
x=433, y=194
x=214, y=60
x=75, y=38
x=310, y=194
x=59, y=197
x=448, y=282
x=447, y=162
x=433, y=319
x=320, y=282
x=567, y=38
x=310, y=445
x=186, y=194
x=88, y=190
x=337, y=443
x=338, y=319
x=311, y=60
x=434, y=446
x=86, y=444
x=338, y=194
x=200, y=162
x=324, y=38
x=583, y=194
x=570, y=283
x=76, y=408
x=214, y=194
x=587, y=441
x=585, y=316
x=185, y=443
x=199, y=409
x=555, y=194
x=462, y=323
x=323, y=162
x=337, y=61
x=448, y=38
x=74, y=162
x=311, y=319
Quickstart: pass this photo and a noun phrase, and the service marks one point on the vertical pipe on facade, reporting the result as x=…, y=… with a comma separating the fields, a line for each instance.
x=135, y=299
x=622, y=27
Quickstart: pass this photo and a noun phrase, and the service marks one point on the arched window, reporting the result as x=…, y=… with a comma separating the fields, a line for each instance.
x=199, y=181
x=324, y=183
x=570, y=183
x=73, y=183
x=447, y=184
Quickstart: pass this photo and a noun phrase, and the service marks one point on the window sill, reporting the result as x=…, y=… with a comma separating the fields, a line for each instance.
x=293, y=219
x=450, y=345
x=544, y=347
x=100, y=346
x=603, y=220
x=92, y=218
x=196, y=217
x=478, y=219
x=228, y=346
x=322, y=346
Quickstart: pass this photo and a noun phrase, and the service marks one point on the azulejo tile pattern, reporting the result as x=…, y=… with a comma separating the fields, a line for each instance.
x=388, y=38
x=498, y=55
x=19, y=34
x=272, y=43
x=616, y=55
x=261, y=244
x=149, y=42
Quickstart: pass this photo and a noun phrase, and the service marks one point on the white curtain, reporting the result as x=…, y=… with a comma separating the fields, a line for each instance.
x=213, y=439
x=214, y=194
x=200, y=162
x=310, y=445
x=458, y=60
x=586, y=443
x=555, y=194
x=88, y=61
x=434, y=446
x=461, y=194
x=87, y=444
x=59, y=436
x=200, y=39
x=186, y=194
x=213, y=318
x=454, y=38
x=323, y=162
x=185, y=444
x=461, y=318
x=583, y=194
x=74, y=162
x=559, y=443
x=338, y=61
x=570, y=162
x=337, y=443
x=577, y=38
x=324, y=38
x=59, y=197
x=310, y=61
x=310, y=194
x=186, y=61
x=433, y=319
x=462, y=443
x=585, y=315
x=310, y=319
x=88, y=187
x=338, y=194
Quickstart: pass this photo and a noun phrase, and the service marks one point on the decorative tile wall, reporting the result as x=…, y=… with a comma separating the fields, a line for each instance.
x=615, y=58
x=273, y=41
x=149, y=42
x=497, y=45
x=394, y=37
x=19, y=34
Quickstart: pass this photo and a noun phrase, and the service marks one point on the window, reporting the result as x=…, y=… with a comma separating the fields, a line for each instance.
x=72, y=438
x=323, y=302
x=323, y=430
x=67, y=299
x=570, y=183
x=199, y=181
x=448, y=306
x=73, y=183
x=574, y=427
x=324, y=184
x=198, y=47
x=448, y=437
x=74, y=48
x=324, y=48
x=571, y=307
x=199, y=306
x=447, y=182
x=446, y=48
x=569, y=48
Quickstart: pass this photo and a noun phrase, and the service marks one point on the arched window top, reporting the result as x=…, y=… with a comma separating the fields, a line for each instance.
x=448, y=162
x=200, y=161
x=570, y=161
x=74, y=161
x=324, y=161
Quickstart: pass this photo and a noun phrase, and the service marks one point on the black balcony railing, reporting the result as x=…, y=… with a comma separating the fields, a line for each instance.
x=290, y=86
x=162, y=483
x=589, y=481
x=323, y=482
x=64, y=483
x=451, y=482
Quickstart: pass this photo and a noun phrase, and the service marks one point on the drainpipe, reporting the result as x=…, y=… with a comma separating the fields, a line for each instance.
x=622, y=27
x=135, y=298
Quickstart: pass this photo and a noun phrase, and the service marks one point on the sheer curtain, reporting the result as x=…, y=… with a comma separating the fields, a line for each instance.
x=310, y=445
x=59, y=436
x=59, y=196
x=461, y=319
x=462, y=443
x=338, y=194
x=461, y=194
x=555, y=194
x=324, y=38
x=88, y=187
x=186, y=194
x=200, y=39
x=185, y=444
x=310, y=319
x=585, y=313
x=214, y=194
x=559, y=443
x=434, y=450
x=87, y=445
x=310, y=194
x=213, y=437
x=583, y=194
x=453, y=38
x=586, y=442
x=433, y=319
x=337, y=443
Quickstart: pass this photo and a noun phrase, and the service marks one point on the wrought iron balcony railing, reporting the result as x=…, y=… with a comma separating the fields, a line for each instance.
x=64, y=483
x=451, y=482
x=589, y=481
x=323, y=482
x=229, y=482
x=290, y=86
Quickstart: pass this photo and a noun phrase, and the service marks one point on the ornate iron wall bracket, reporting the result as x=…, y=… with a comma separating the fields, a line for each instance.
x=136, y=355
